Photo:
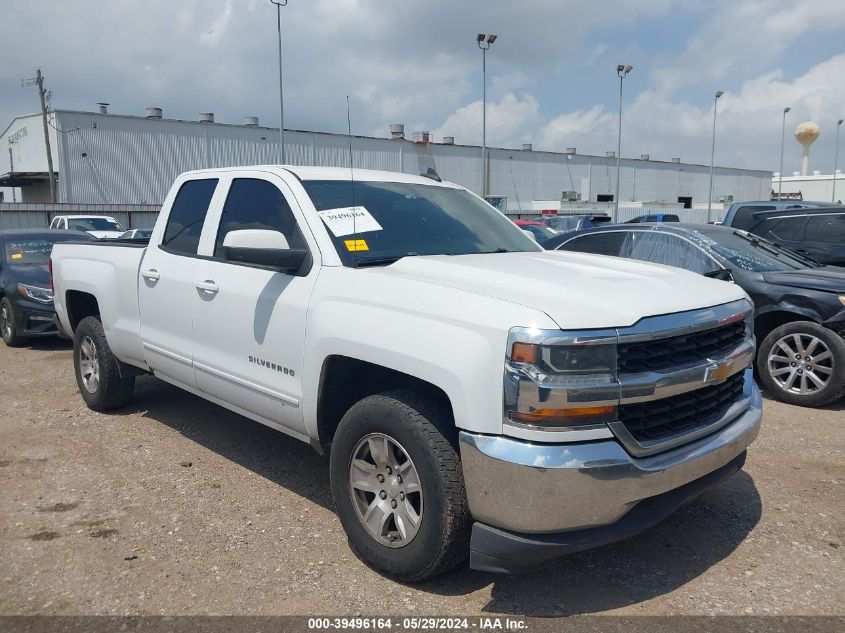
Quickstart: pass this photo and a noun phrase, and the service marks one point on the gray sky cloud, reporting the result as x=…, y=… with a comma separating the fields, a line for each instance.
x=551, y=79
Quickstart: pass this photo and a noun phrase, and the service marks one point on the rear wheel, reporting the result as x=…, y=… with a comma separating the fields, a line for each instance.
x=8, y=325
x=803, y=363
x=398, y=486
x=96, y=368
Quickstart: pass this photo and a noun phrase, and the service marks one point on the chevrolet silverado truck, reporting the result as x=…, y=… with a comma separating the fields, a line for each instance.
x=478, y=396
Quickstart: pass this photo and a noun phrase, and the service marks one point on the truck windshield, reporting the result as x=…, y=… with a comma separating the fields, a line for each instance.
x=380, y=222
x=93, y=224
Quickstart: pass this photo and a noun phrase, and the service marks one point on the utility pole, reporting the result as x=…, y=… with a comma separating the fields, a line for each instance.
x=42, y=95
x=836, y=160
x=719, y=93
x=12, y=173
x=484, y=41
x=622, y=70
x=279, y=4
x=782, y=136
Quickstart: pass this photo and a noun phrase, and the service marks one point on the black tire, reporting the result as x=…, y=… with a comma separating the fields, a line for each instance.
x=427, y=434
x=832, y=367
x=9, y=325
x=111, y=391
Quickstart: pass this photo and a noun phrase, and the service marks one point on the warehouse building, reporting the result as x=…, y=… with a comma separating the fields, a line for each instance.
x=105, y=158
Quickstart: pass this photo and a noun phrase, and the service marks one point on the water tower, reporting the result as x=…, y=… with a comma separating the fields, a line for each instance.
x=806, y=133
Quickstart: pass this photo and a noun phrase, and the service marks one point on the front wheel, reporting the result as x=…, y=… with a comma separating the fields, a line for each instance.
x=8, y=325
x=398, y=486
x=96, y=368
x=803, y=363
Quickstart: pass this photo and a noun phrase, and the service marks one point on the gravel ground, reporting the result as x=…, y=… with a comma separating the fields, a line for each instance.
x=176, y=506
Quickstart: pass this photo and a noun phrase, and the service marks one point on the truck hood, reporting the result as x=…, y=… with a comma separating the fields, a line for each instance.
x=576, y=290
x=825, y=279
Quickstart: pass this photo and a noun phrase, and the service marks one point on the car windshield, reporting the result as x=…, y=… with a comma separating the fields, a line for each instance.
x=379, y=222
x=93, y=224
x=749, y=252
x=28, y=251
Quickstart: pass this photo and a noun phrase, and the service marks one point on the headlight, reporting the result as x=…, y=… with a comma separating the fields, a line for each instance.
x=559, y=381
x=842, y=299
x=36, y=293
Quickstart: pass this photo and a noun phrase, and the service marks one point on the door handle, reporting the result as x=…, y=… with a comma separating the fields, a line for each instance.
x=207, y=286
x=152, y=274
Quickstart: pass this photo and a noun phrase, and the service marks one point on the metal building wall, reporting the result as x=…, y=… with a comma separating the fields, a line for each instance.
x=113, y=158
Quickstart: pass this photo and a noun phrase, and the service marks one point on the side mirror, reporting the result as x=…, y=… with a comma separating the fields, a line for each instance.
x=724, y=274
x=265, y=248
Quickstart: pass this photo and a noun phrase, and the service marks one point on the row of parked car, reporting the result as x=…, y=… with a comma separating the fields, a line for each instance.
x=786, y=256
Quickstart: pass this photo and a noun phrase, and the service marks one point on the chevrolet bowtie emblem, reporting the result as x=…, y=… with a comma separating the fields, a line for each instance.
x=718, y=372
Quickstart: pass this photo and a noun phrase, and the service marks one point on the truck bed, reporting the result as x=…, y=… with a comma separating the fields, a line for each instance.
x=110, y=271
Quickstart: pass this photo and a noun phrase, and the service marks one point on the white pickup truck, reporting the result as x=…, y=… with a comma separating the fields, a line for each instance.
x=478, y=395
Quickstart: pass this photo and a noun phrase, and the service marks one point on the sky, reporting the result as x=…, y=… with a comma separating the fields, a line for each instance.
x=551, y=74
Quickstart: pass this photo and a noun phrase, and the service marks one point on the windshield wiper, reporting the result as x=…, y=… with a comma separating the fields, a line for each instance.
x=382, y=261
x=496, y=250
x=776, y=249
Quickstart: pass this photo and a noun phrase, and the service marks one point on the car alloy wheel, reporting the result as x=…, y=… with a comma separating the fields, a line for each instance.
x=89, y=365
x=5, y=323
x=800, y=364
x=386, y=490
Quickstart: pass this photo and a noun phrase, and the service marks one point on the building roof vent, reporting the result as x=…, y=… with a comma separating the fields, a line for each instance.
x=152, y=113
x=571, y=150
x=104, y=107
x=610, y=154
x=644, y=157
x=817, y=172
x=206, y=117
x=676, y=160
x=251, y=121
x=528, y=147
x=397, y=131
x=422, y=137
x=448, y=140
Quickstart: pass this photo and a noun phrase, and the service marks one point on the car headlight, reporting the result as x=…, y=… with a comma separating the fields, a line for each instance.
x=559, y=381
x=36, y=293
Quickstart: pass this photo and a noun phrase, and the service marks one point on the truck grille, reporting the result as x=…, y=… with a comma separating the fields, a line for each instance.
x=669, y=417
x=676, y=351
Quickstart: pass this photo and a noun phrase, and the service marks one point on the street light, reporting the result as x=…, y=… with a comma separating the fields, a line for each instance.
x=782, y=132
x=719, y=93
x=484, y=41
x=836, y=160
x=622, y=70
x=279, y=4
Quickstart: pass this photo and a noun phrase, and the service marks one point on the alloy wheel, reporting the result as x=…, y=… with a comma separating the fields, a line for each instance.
x=800, y=364
x=386, y=490
x=89, y=364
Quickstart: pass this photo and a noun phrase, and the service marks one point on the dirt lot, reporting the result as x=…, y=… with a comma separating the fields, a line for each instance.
x=176, y=506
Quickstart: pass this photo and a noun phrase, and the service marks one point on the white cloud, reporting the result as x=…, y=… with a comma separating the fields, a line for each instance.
x=509, y=121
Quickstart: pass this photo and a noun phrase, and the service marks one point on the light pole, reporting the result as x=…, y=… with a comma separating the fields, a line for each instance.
x=622, y=70
x=279, y=4
x=782, y=132
x=719, y=93
x=484, y=41
x=836, y=160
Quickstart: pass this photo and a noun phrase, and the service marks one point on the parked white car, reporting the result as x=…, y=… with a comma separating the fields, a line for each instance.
x=99, y=226
x=479, y=396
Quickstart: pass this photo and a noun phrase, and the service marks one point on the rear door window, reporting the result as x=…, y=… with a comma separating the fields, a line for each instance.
x=662, y=248
x=184, y=224
x=826, y=229
x=607, y=243
x=782, y=229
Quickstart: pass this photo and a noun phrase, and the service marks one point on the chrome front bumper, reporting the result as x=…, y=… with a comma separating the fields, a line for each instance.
x=550, y=488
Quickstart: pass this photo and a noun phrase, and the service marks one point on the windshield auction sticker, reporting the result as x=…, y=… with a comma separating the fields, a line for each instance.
x=349, y=220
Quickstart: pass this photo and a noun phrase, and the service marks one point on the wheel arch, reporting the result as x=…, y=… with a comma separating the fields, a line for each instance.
x=80, y=304
x=345, y=380
x=768, y=321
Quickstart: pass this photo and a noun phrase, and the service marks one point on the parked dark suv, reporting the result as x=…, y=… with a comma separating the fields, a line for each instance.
x=817, y=232
x=26, y=299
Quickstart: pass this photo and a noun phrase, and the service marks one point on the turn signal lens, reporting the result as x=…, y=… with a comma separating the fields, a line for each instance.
x=524, y=353
x=566, y=417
